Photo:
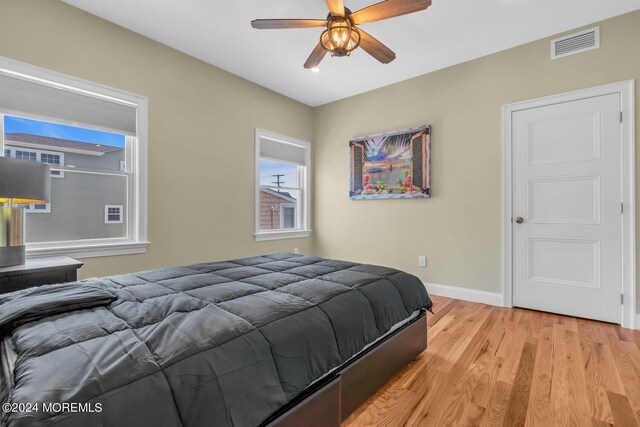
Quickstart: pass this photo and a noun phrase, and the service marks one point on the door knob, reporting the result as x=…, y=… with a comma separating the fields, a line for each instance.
x=519, y=220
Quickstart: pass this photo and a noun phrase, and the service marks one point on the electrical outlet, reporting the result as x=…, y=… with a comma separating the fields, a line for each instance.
x=422, y=261
x=296, y=250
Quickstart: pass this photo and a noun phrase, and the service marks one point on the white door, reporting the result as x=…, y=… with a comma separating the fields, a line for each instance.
x=567, y=192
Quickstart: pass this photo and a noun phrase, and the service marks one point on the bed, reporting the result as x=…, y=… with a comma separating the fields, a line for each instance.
x=274, y=340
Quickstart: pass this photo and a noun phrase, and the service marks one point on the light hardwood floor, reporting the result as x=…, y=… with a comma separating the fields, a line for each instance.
x=492, y=366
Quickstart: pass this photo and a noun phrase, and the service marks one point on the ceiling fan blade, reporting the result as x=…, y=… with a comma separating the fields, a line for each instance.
x=336, y=7
x=316, y=56
x=274, y=24
x=388, y=9
x=375, y=48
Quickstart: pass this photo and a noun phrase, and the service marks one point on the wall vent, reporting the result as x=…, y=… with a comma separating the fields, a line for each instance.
x=575, y=43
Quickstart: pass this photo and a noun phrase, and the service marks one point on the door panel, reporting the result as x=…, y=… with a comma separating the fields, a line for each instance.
x=564, y=200
x=567, y=187
x=548, y=144
x=565, y=261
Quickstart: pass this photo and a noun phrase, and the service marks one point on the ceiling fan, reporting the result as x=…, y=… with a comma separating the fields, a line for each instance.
x=342, y=35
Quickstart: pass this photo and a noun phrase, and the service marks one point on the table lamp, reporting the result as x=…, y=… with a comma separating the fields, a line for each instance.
x=21, y=181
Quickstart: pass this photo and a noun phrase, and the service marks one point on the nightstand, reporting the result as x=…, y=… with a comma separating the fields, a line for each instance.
x=37, y=272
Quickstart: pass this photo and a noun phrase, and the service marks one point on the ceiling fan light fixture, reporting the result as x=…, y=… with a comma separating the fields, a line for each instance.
x=341, y=37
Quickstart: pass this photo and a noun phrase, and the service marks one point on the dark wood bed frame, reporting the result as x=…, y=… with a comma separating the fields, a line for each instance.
x=333, y=399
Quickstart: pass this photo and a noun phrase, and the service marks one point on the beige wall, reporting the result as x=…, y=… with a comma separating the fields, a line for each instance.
x=201, y=130
x=459, y=228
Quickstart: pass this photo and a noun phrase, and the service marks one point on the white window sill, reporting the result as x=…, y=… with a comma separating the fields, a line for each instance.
x=277, y=235
x=90, y=250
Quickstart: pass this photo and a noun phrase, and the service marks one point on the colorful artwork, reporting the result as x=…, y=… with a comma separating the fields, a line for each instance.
x=391, y=165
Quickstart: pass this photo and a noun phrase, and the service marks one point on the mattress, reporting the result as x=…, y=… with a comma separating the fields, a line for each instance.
x=387, y=334
x=8, y=354
x=223, y=343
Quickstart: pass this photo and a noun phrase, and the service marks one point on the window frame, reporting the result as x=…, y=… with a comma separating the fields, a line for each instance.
x=136, y=158
x=303, y=215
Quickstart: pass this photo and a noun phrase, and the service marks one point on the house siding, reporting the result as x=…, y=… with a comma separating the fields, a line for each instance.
x=266, y=217
x=78, y=199
x=108, y=161
x=77, y=209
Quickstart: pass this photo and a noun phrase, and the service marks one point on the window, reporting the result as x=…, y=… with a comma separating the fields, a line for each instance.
x=113, y=214
x=50, y=159
x=26, y=155
x=282, y=187
x=288, y=216
x=39, y=208
x=95, y=139
x=54, y=160
x=35, y=207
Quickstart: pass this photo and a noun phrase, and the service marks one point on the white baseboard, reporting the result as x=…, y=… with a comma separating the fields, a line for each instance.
x=491, y=298
x=483, y=297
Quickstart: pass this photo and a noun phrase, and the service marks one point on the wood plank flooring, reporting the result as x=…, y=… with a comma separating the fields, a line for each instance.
x=492, y=366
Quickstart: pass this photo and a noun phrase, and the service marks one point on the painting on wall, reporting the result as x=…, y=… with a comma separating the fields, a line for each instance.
x=391, y=166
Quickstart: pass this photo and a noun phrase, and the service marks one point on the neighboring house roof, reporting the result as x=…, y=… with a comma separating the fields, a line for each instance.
x=35, y=141
x=287, y=197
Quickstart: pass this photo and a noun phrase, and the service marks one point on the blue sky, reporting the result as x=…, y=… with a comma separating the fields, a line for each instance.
x=35, y=127
x=268, y=168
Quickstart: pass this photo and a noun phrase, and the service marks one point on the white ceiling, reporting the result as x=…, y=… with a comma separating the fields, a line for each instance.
x=448, y=33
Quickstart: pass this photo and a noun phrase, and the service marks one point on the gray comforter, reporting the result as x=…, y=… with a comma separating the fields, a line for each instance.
x=217, y=344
